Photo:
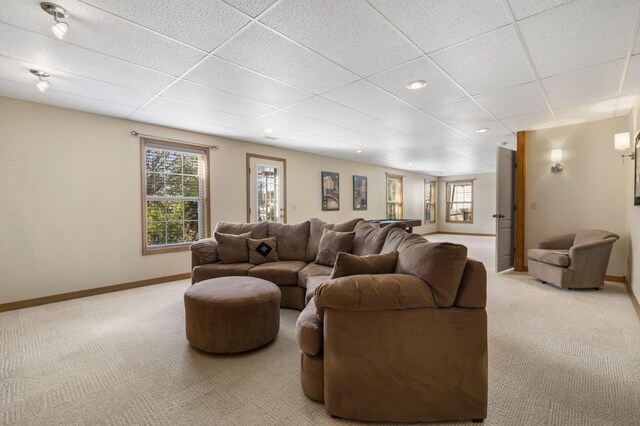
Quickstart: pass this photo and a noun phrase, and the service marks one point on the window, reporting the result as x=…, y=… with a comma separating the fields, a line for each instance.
x=394, y=197
x=429, y=202
x=460, y=201
x=175, y=201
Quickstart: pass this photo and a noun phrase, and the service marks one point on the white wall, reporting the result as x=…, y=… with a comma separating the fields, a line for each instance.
x=591, y=191
x=633, y=212
x=484, y=205
x=70, y=217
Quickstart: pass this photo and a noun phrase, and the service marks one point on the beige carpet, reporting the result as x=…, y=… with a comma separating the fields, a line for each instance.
x=557, y=357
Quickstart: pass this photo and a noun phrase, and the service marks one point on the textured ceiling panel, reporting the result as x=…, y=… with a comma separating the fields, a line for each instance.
x=349, y=32
x=516, y=100
x=330, y=112
x=369, y=99
x=251, y=7
x=268, y=53
x=523, y=8
x=459, y=112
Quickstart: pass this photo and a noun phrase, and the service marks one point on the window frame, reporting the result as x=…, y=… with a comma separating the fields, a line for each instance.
x=434, y=200
x=401, y=202
x=449, y=185
x=179, y=146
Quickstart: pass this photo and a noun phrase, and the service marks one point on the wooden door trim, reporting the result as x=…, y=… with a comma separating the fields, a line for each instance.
x=521, y=180
x=284, y=181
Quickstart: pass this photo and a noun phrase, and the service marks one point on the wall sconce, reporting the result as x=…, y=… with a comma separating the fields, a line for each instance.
x=622, y=141
x=556, y=157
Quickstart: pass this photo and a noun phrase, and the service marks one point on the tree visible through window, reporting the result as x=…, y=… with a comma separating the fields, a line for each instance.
x=460, y=201
x=175, y=201
x=429, y=202
x=394, y=197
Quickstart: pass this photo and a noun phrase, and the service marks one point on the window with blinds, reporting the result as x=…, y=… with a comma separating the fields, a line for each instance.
x=394, y=197
x=460, y=201
x=175, y=201
x=429, y=202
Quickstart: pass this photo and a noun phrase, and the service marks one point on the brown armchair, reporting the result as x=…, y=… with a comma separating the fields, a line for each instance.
x=573, y=260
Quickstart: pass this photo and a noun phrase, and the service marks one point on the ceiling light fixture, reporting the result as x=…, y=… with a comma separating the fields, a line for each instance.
x=58, y=12
x=42, y=85
x=417, y=84
x=358, y=151
x=268, y=130
x=483, y=130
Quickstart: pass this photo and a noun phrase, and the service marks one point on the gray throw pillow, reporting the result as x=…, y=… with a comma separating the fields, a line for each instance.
x=262, y=251
x=373, y=264
x=232, y=248
x=331, y=243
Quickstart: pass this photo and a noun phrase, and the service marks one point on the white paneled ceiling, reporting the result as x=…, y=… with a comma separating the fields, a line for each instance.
x=330, y=77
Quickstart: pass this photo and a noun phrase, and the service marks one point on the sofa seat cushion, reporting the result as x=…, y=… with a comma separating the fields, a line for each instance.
x=312, y=270
x=550, y=257
x=309, y=330
x=312, y=284
x=280, y=273
x=217, y=270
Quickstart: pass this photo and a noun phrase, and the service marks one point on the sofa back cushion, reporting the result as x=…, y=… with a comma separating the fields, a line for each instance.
x=316, y=227
x=351, y=264
x=369, y=239
x=331, y=243
x=393, y=240
x=440, y=265
x=232, y=248
x=292, y=239
x=258, y=230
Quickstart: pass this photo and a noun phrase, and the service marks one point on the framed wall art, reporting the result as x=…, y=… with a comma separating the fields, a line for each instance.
x=359, y=192
x=330, y=191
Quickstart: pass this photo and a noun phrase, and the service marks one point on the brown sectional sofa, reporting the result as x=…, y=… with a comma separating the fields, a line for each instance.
x=404, y=346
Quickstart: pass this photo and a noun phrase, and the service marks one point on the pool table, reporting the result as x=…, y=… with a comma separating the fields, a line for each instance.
x=409, y=223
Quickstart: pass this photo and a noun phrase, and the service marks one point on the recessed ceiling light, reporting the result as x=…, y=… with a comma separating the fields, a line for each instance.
x=483, y=130
x=42, y=85
x=59, y=28
x=358, y=151
x=417, y=84
x=268, y=130
x=410, y=163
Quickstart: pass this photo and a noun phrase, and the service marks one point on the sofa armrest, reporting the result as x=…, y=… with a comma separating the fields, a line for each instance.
x=591, y=255
x=472, y=292
x=557, y=242
x=374, y=293
x=206, y=250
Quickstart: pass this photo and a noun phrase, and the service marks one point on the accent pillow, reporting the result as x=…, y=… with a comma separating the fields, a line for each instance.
x=331, y=243
x=207, y=250
x=232, y=248
x=262, y=251
x=351, y=264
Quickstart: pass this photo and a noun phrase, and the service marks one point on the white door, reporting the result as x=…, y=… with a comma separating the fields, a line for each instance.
x=505, y=209
x=266, y=190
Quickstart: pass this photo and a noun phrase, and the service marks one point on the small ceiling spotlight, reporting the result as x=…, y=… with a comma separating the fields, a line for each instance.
x=268, y=130
x=417, y=84
x=483, y=130
x=42, y=85
x=58, y=12
x=358, y=151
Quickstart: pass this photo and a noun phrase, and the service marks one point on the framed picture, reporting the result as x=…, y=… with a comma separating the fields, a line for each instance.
x=330, y=191
x=359, y=192
x=636, y=190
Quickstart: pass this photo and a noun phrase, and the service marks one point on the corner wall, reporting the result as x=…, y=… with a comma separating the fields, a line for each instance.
x=633, y=212
x=591, y=191
x=70, y=217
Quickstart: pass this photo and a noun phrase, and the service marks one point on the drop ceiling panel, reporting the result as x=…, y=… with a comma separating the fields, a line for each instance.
x=522, y=99
x=585, y=85
x=323, y=143
x=632, y=82
x=102, y=32
x=534, y=121
x=258, y=126
x=434, y=25
x=368, y=99
x=298, y=122
x=378, y=129
x=416, y=122
x=203, y=24
x=582, y=113
x=28, y=92
x=206, y=97
x=176, y=121
x=489, y=62
x=458, y=112
x=579, y=34
x=55, y=54
x=18, y=71
x=439, y=88
x=495, y=130
x=523, y=8
x=210, y=116
x=349, y=32
x=219, y=74
x=351, y=137
x=328, y=111
x=268, y=53
x=251, y=7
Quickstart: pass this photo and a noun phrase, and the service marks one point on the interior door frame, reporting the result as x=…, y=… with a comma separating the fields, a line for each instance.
x=284, y=182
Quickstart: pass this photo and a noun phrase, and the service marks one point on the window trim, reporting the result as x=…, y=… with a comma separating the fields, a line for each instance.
x=401, y=202
x=146, y=250
x=434, y=199
x=447, y=203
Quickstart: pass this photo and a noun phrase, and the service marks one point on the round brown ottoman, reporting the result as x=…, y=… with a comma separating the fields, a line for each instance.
x=232, y=314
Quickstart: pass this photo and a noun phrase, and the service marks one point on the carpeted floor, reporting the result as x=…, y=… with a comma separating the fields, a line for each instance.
x=556, y=357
